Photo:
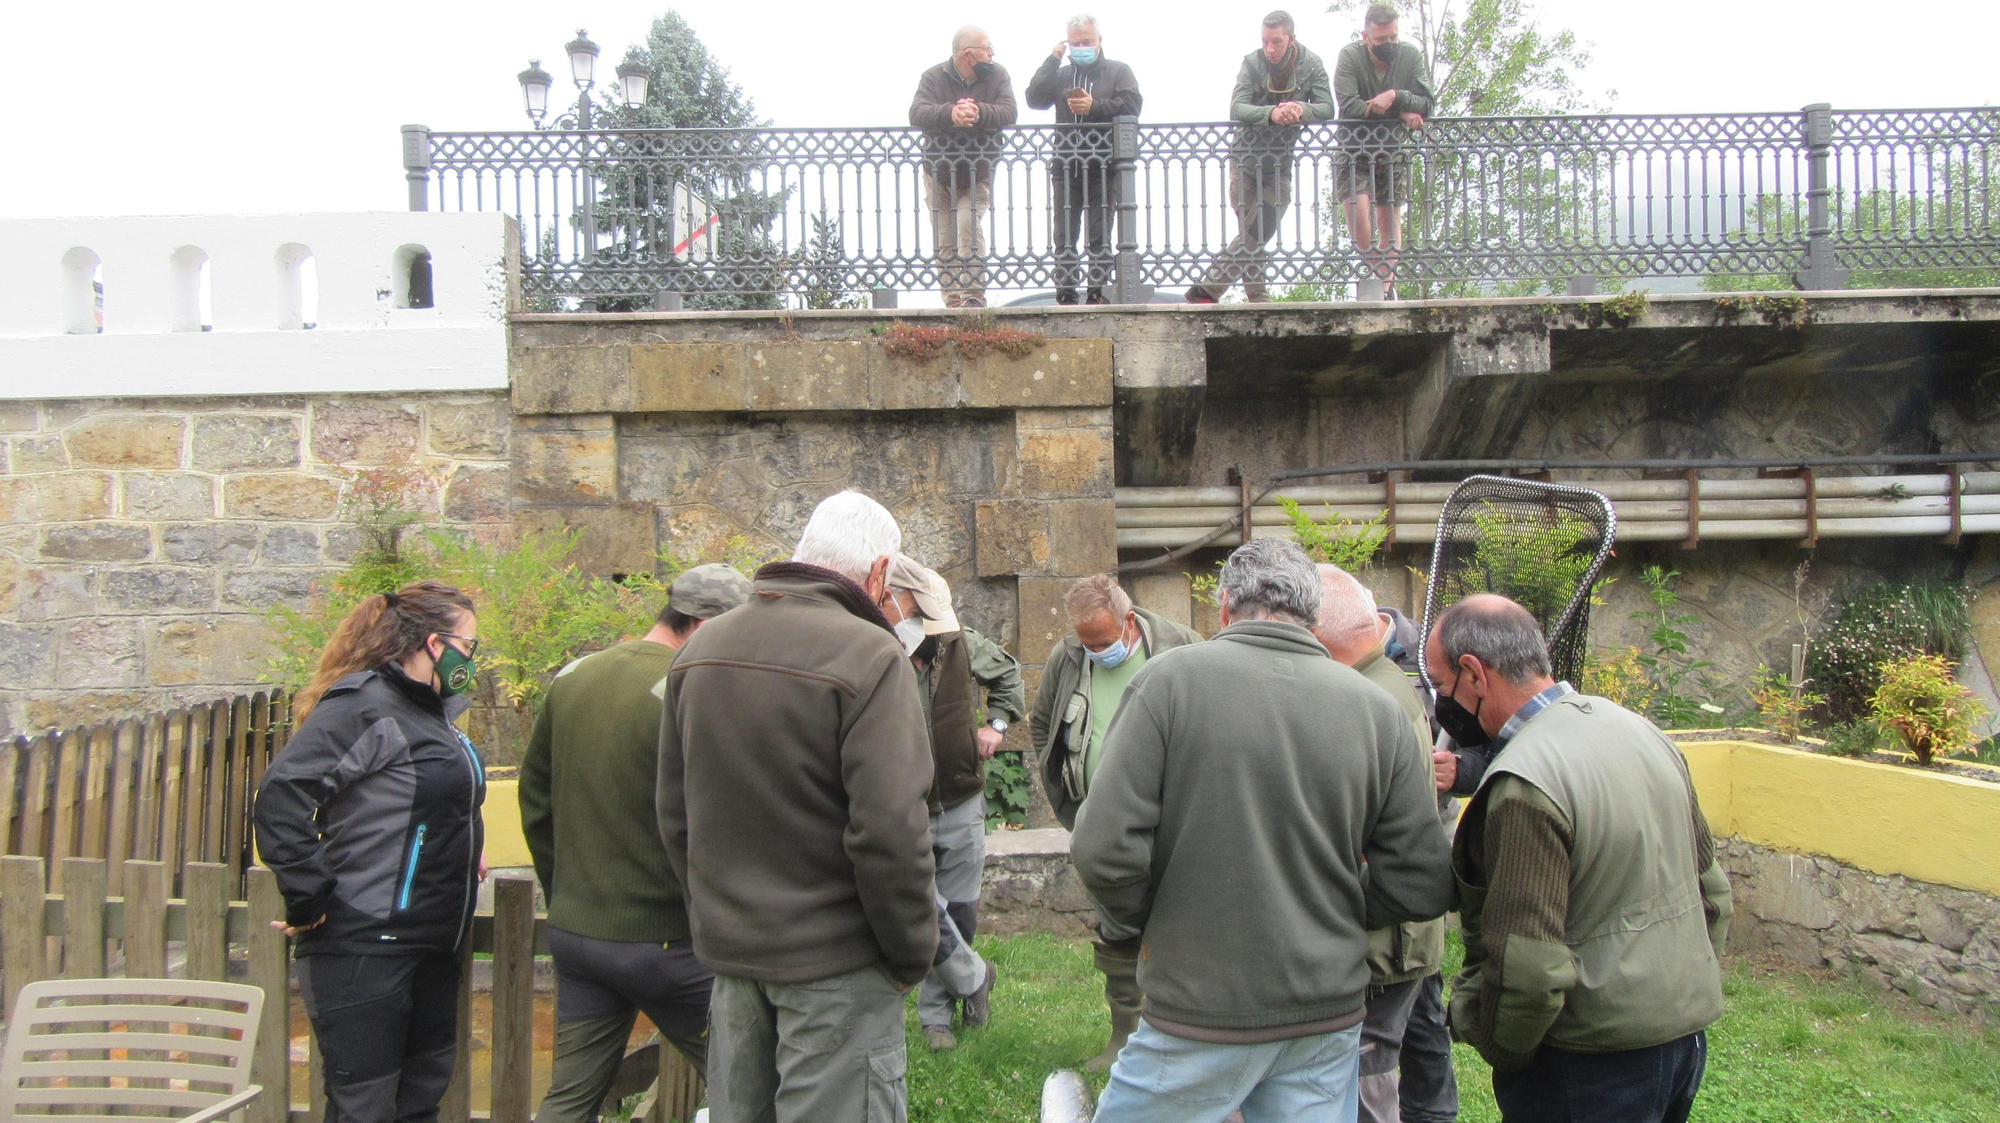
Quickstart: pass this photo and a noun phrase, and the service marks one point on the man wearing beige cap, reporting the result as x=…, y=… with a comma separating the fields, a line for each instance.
x=617, y=919
x=953, y=665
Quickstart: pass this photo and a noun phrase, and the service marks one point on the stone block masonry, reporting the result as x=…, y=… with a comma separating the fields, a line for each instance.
x=143, y=541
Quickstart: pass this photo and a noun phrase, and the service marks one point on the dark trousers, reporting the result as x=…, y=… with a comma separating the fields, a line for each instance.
x=1079, y=203
x=387, y=1028
x=1652, y=1085
x=1429, y=1090
x=601, y=985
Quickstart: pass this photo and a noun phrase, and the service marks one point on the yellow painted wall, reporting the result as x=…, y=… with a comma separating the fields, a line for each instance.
x=1878, y=817
x=506, y=846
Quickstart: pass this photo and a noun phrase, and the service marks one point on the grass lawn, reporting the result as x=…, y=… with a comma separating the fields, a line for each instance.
x=1792, y=1046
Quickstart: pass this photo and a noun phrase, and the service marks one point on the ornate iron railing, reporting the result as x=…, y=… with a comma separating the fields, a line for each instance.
x=824, y=216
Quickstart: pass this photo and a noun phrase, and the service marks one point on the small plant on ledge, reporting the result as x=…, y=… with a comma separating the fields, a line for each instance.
x=1921, y=703
x=924, y=343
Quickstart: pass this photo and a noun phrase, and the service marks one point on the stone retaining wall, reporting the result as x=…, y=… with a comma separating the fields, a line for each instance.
x=1940, y=946
x=143, y=541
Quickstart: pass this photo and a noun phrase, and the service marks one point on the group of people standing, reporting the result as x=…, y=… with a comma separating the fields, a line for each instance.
x=1379, y=89
x=762, y=824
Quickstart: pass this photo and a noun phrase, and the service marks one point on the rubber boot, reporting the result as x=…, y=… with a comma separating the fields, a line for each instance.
x=1120, y=964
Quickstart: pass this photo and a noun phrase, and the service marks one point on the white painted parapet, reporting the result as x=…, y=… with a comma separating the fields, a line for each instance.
x=254, y=304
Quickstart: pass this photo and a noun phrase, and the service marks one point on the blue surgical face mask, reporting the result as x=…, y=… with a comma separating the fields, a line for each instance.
x=1111, y=656
x=1083, y=56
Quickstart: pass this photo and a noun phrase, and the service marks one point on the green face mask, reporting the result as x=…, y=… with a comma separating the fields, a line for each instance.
x=455, y=671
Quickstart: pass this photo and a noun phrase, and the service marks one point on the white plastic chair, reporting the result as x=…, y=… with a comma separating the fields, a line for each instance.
x=191, y=1063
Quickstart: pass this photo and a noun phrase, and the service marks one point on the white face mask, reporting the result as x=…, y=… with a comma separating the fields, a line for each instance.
x=911, y=633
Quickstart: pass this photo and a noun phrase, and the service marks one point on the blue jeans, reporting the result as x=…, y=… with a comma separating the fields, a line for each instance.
x=1651, y=1085
x=1160, y=1078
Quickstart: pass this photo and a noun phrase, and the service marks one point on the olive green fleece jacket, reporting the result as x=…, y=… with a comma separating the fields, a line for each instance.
x=587, y=799
x=1244, y=783
x=794, y=759
x=1402, y=952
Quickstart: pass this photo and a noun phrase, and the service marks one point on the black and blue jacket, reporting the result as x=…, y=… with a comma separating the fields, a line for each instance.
x=370, y=818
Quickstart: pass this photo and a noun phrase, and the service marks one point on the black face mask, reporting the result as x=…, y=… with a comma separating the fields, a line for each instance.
x=1461, y=723
x=982, y=70
x=1385, y=51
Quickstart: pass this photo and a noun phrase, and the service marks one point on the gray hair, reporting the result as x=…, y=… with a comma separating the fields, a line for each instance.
x=1346, y=608
x=1282, y=18
x=964, y=36
x=1379, y=14
x=1497, y=632
x=1082, y=20
x=1095, y=595
x=848, y=533
x=1271, y=577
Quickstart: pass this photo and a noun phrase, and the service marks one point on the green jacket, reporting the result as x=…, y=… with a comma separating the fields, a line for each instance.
x=1256, y=809
x=973, y=662
x=1355, y=82
x=1406, y=951
x=1594, y=911
x=587, y=799
x=1061, y=718
x=1251, y=101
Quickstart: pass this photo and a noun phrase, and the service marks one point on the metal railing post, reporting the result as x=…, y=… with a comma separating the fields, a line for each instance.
x=417, y=165
x=1820, y=272
x=1125, y=174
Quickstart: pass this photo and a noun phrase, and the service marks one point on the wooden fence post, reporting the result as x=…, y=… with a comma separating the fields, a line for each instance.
x=146, y=920
x=118, y=836
x=22, y=908
x=206, y=887
x=83, y=918
x=10, y=763
x=69, y=769
x=456, y=1106
x=513, y=998
x=35, y=808
x=271, y=1064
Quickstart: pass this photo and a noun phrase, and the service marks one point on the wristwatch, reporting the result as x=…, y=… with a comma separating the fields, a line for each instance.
x=998, y=725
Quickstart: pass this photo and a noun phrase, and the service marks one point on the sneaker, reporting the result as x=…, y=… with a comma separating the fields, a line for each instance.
x=978, y=1008
x=1065, y=296
x=1199, y=295
x=940, y=1039
x=1096, y=296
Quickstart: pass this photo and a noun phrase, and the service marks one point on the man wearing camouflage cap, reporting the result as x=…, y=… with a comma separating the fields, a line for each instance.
x=953, y=665
x=617, y=922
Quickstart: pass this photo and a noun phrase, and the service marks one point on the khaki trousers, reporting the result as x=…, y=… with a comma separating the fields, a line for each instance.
x=958, y=221
x=827, y=1051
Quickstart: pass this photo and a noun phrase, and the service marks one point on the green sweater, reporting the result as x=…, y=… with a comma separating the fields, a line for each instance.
x=1402, y=952
x=1244, y=783
x=587, y=799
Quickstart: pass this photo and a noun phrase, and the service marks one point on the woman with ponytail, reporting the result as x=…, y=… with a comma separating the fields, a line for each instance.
x=370, y=818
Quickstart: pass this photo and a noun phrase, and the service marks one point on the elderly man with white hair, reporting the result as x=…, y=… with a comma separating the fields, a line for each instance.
x=1258, y=809
x=1402, y=958
x=794, y=761
x=961, y=104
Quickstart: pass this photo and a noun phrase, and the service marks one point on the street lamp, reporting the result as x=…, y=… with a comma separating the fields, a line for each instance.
x=536, y=83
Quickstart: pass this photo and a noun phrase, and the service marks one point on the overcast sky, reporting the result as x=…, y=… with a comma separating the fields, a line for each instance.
x=167, y=107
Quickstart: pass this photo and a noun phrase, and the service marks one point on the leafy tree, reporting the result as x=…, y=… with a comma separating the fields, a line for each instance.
x=688, y=88
x=1490, y=58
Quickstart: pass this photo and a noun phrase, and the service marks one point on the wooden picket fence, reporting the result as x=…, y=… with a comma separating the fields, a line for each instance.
x=47, y=935
x=172, y=787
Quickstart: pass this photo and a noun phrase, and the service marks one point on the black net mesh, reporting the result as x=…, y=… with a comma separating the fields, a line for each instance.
x=1541, y=544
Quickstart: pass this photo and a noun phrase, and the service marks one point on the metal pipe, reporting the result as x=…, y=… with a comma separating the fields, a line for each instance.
x=1907, y=526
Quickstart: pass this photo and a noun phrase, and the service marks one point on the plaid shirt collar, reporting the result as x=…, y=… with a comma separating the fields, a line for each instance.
x=1530, y=708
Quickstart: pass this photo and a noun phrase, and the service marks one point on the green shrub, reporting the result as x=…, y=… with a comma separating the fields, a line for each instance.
x=1781, y=708
x=1926, y=708
x=1856, y=739
x=1538, y=566
x=1884, y=623
x=1618, y=675
x=1337, y=540
x=1007, y=791
x=1683, y=692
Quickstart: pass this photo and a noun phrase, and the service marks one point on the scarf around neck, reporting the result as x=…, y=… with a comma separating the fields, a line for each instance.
x=1284, y=73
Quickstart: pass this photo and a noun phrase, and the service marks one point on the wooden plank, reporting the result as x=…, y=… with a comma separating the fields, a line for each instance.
x=195, y=786
x=68, y=808
x=172, y=815
x=513, y=998
x=83, y=919
x=10, y=764
x=271, y=1064
x=207, y=892
x=22, y=950
x=118, y=834
x=680, y=1089
x=255, y=757
x=457, y=1102
x=146, y=920
x=152, y=758
x=96, y=790
x=236, y=820
x=217, y=780
x=35, y=807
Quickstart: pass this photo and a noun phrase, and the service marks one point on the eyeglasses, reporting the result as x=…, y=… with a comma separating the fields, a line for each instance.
x=471, y=644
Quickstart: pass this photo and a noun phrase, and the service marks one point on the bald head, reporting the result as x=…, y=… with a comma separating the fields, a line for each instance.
x=1349, y=626
x=1499, y=633
x=968, y=36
